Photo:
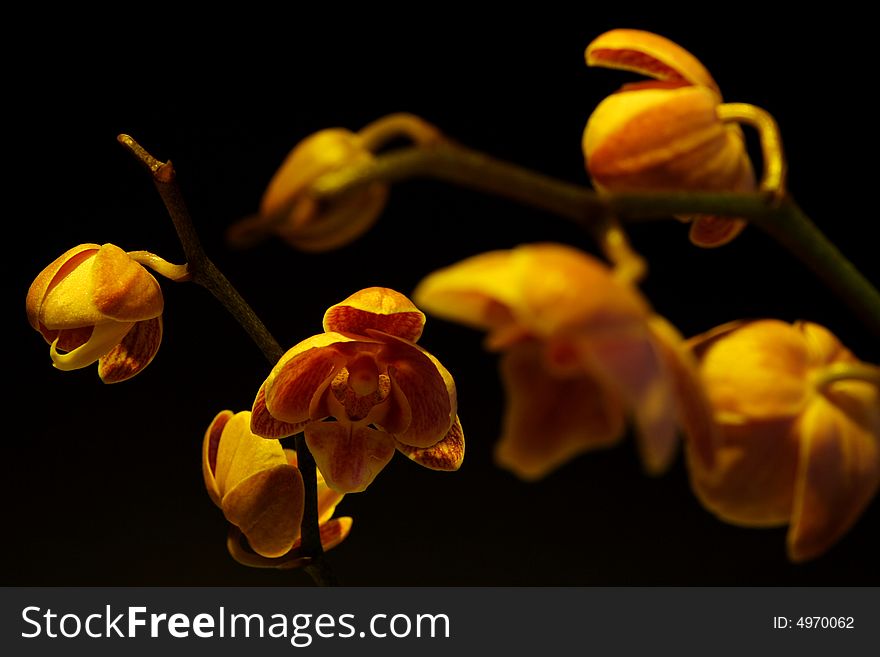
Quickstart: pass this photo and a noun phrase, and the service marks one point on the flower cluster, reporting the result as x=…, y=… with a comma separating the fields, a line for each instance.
x=781, y=422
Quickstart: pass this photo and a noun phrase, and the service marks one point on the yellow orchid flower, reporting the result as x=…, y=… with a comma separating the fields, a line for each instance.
x=674, y=133
x=96, y=303
x=258, y=487
x=800, y=431
x=581, y=349
x=381, y=391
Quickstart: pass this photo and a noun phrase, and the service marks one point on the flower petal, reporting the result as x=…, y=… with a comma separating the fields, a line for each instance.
x=377, y=308
x=649, y=54
x=103, y=339
x=133, y=354
x=549, y=419
x=332, y=534
x=758, y=370
x=266, y=426
x=299, y=374
x=348, y=455
x=268, y=508
x=563, y=288
x=839, y=469
x=327, y=497
x=123, y=289
x=694, y=409
x=656, y=139
x=210, y=445
x=446, y=455
x=52, y=275
x=478, y=291
x=710, y=231
x=428, y=388
x=242, y=454
x=753, y=477
x=630, y=362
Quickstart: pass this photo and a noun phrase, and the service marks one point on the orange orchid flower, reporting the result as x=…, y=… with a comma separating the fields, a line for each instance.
x=362, y=390
x=260, y=490
x=96, y=303
x=800, y=431
x=674, y=133
x=581, y=348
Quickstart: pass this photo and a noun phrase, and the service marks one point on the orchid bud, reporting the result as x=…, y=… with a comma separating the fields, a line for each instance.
x=673, y=133
x=95, y=303
x=288, y=210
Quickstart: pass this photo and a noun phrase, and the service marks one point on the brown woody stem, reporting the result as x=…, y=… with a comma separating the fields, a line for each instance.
x=205, y=273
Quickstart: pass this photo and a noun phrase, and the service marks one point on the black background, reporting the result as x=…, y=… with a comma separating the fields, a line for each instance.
x=102, y=484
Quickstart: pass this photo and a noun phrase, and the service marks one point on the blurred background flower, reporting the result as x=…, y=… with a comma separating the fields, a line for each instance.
x=800, y=429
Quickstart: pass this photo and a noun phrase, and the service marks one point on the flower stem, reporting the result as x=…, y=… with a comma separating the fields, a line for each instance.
x=783, y=221
x=205, y=273
x=848, y=372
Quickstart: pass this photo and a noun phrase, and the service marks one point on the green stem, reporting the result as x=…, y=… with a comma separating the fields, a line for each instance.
x=784, y=222
x=205, y=273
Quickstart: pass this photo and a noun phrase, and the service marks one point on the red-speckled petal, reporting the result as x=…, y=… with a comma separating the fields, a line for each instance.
x=378, y=308
x=649, y=54
x=266, y=426
x=446, y=455
x=349, y=456
x=133, y=354
x=429, y=391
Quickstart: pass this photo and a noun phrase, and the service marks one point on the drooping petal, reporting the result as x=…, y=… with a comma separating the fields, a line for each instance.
x=694, y=409
x=268, y=508
x=839, y=469
x=349, y=456
x=549, y=419
x=104, y=338
x=296, y=377
x=649, y=54
x=210, y=445
x=52, y=275
x=133, y=354
x=429, y=391
x=446, y=455
x=628, y=361
x=378, y=308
